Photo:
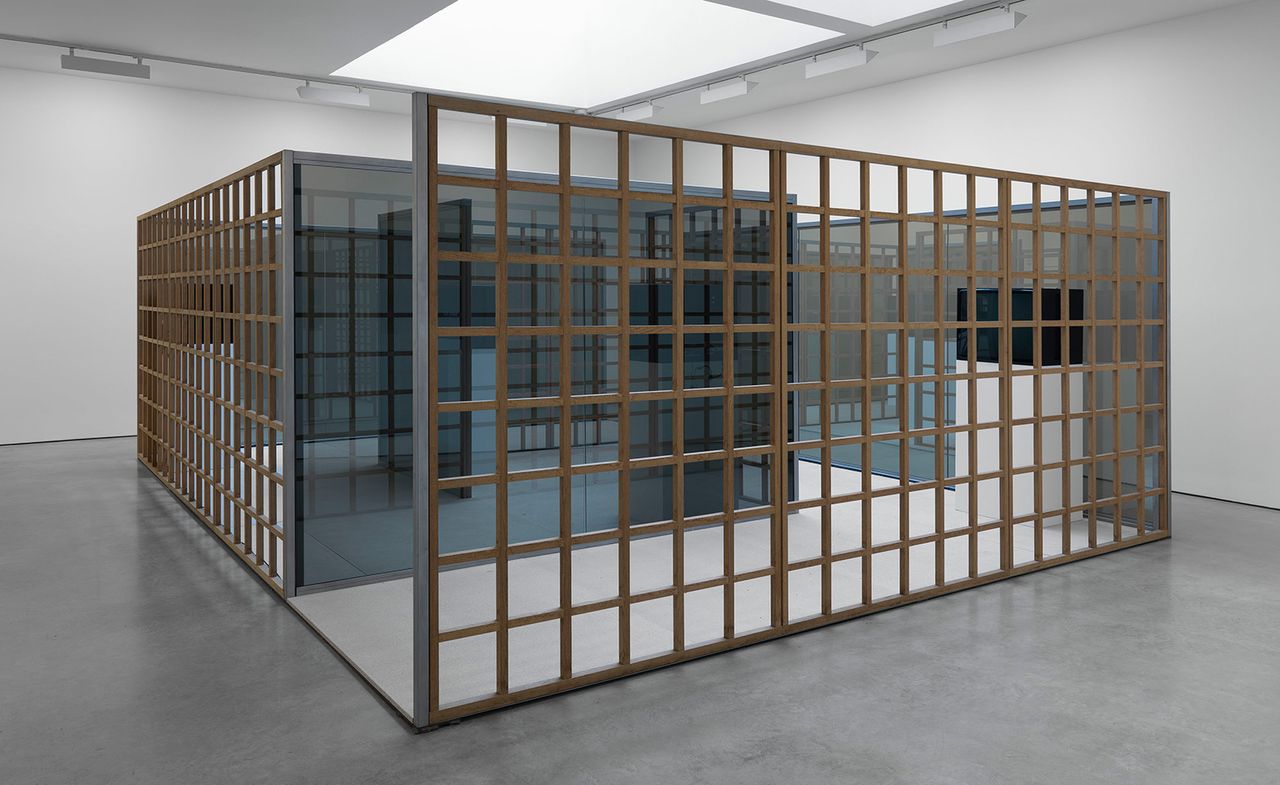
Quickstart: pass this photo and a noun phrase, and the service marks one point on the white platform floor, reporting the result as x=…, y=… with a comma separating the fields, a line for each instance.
x=372, y=624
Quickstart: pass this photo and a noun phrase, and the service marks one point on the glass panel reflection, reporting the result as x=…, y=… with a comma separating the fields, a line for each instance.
x=593, y=226
x=353, y=369
x=533, y=222
x=649, y=229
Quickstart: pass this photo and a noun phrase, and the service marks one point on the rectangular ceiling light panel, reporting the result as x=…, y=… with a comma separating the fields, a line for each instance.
x=576, y=53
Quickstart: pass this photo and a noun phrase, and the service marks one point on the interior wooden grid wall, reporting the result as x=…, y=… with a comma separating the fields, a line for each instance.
x=1107, y=241
x=211, y=362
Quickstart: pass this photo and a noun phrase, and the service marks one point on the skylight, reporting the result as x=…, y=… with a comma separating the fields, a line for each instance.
x=577, y=53
x=871, y=13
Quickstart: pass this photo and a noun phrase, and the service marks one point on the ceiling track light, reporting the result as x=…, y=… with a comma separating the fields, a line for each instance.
x=94, y=65
x=840, y=61
x=333, y=95
x=725, y=91
x=956, y=30
x=638, y=112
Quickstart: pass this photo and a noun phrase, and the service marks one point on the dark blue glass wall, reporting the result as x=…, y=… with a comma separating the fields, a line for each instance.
x=353, y=310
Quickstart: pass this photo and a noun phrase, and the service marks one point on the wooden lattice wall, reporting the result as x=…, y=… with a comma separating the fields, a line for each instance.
x=1034, y=431
x=211, y=359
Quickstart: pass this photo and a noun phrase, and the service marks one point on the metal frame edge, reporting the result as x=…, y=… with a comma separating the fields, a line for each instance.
x=421, y=427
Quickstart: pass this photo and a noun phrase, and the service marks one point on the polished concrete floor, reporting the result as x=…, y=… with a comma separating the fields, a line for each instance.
x=372, y=625
x=134, y=649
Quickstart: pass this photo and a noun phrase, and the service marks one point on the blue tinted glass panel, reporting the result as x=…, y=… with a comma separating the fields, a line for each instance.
x=353, y=293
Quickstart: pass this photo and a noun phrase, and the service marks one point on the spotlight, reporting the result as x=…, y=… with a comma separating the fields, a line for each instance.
x=94, y=65
x=845, y=59
x=726, y=91
x=638, y=112
x=977, y=26
x=333, y=95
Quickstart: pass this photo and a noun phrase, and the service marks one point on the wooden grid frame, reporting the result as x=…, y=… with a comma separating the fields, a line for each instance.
x=1105, y=216
x=211, y=359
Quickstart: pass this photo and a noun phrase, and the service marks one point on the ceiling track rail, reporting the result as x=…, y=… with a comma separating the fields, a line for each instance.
x=846, y=42
x=239, y=69
x=613, y=106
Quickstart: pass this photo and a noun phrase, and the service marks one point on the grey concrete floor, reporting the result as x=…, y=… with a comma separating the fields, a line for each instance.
x=134, y=649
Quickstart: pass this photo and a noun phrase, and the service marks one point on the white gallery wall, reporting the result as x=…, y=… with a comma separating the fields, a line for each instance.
x=80, y=158
x=84, y=156
x=1187, y=105
x=1190, y=106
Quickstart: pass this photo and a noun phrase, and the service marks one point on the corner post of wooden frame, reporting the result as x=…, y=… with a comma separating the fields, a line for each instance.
x=288, y=226
x=1165, y=271
x=423, y=133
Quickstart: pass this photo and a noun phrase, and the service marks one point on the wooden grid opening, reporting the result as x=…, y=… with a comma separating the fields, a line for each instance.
x=759, y=388
x=210, y=359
